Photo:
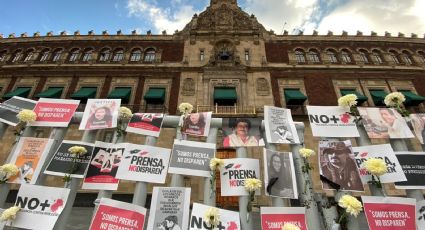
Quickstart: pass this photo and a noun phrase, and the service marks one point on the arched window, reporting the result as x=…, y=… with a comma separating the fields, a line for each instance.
x=57, y=54
x=407, y=58
x=313, y=56
x=149, y=55
x=136, y=55
x=73, y=56
x=376, y=57
x=422, y=56
x=300, y=56
x=44, y=55
x=87, y=56
x=345, y=56
x=29, y=55
x=364, y=56
x=118, y=55
x=17, y=56
x=105, y=54
x=332, y=56
x=3, y=55
x=394, y=57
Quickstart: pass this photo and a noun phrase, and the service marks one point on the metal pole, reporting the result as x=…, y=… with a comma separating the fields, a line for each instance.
x=177, y=180
x=90, y=137
x=209, y=195
x=3, y=129
x=246, y=223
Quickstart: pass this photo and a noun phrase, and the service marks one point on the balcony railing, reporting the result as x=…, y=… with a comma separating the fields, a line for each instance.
x=137, y=108
x=227, y=110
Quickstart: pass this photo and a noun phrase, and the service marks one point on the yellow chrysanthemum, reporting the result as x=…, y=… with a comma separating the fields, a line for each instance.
x=124, y=113
x=9, y=169
x=306, y=153
x=394, y=99
x=289, y=226
x=252, y=184
x=185, y=108
x=375, y=166
x=348, y=100
x=26, y=115
x=77, y=150
x=351, y=205
x=212, y=217
x=216, y=163
x=10, y=213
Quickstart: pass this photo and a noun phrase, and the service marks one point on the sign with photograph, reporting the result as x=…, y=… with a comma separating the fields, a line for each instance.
x=279, y=126
x=274, y=218
x=144, y=163
x=331, y=121
x=228, y=219
x=384, y=123
x=10, y=108
x=420, y=214
x=103, y=166
x=100, y=114
x=338, y=170
x=197, y=124
x=242, y=132
x=235, y=172
x=279, y=174
x=385, y=152
x=191, y=158
x=40, y=206
x=390, y=213
x=418, y=125
x=413, y=165
x=64, y=162
x=146, y=124
x=29, y=156
x=169, y=208
x=113, y=214
x=54, y=112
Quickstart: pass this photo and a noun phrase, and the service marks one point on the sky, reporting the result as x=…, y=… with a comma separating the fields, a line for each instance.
x=394, y=16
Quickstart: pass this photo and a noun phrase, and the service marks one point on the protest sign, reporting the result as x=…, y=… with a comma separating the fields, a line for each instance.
x=242, y=132
x=279, y=126
x=64, y=163
x=40, y=206
x=228, y=219
x=234, y=173
x=197, y=124
x=274, y=218
x=103, y=166
x=392, y=213
x=385, y=152
x=418, y=124
x=191, y=158
x=146, y=124
x=331, y=121
x=169, y=206
x=29, y=156
x=420, y=214
x=113, y=214
x=144, y=163
x=100, y=114
x=413, y=165
x=54, y=112
x=10, y=108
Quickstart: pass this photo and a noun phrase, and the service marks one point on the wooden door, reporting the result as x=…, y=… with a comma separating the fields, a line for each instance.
x=226, y=202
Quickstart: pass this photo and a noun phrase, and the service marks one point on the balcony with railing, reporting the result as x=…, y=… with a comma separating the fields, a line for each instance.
x=227, y=110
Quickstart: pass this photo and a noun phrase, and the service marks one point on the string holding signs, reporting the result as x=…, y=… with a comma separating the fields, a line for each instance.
x=54, y=112
x=10, y=108
x=113, y=214
x=234, y=173
x=228, y=219
x=191, y=158
x=274, y=218
x=331, y=121
x=144, y=163
x=385, y=152
x=390, y=213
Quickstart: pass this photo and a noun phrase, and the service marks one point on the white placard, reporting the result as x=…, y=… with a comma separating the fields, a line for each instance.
x=234, y=173
x=279, y=126
x=228, y=219
x=331, y=121
x=100, y=114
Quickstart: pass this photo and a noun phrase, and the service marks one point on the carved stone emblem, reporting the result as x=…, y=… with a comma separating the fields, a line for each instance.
x=263, y=88
x=188, y=87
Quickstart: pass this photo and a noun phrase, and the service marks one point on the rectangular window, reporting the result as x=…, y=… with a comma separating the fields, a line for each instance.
x=246, y=55
x=201, y=55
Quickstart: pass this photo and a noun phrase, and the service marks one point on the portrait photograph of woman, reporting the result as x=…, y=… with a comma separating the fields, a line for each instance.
x=418, y=126
x=197, y=124
x=100, y=114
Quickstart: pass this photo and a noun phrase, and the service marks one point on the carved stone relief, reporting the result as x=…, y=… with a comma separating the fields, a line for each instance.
x=263, y=88
x=188, y=87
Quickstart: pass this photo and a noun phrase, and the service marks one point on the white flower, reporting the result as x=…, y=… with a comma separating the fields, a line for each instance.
x=216, y=163
x=394, y=99
x=26, y=115
x=10, y=213
x=252, y=184
x=375, y=166
x=124, y=113
x=306, y=153
x=351, y=205
x=289, y=226
x=348, y=100
x=9, y=169
x=185, y=108
x=77, y=150
x=212, y=217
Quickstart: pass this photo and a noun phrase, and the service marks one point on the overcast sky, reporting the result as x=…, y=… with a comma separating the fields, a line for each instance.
x=18, y=16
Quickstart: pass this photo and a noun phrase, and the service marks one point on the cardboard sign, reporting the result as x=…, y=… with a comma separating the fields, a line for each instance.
x=385, y=152
x=242, y=132
x=235, y=172
x=54, y=112
x=228, y=219
x=191, y=158
x=103, y=166
x=274, y=218
x=10, y=108
x=144, y=163
x=62, y=162
x=197, y=124
x=279, y=126
x=146, y=124
x=279, y=174
x=413, y=165
x=113, y=214
x=100, y=114
x=29, y=155
x=169, y=206
x=392, y=213
x=331, y=121
x=40, y=206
